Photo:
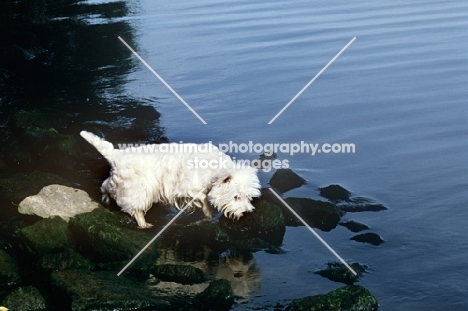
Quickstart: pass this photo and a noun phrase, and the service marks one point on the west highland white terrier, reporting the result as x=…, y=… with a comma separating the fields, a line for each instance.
x=174, y=174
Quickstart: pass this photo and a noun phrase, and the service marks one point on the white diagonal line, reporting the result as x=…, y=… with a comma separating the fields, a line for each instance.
x=311, y=81
x=162, y=80
x=313, y=231
x=160, y=232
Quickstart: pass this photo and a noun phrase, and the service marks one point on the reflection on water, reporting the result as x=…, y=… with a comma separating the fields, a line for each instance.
x=239, y=269
x=55, y=60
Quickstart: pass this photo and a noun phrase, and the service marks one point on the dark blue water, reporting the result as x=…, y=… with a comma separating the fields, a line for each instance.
x=398, y=93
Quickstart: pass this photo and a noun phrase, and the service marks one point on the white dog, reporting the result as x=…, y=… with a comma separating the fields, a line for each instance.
x=175, y=174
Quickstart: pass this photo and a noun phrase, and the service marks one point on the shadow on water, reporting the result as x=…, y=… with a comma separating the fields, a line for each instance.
x=62, y=70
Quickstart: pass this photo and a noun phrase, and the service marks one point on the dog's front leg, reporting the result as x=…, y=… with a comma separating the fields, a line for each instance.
x=140, y=218
x=206, y=208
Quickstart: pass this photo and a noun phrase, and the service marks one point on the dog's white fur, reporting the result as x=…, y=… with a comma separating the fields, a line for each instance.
x=140, y=178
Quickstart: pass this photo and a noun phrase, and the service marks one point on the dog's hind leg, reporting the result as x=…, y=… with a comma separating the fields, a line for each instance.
x=140, y=218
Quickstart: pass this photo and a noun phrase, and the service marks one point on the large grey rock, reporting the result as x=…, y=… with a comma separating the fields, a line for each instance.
x=58, y=200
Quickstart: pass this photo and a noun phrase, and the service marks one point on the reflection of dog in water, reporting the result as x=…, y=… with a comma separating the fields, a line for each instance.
x=140, y=178
x=239, y=269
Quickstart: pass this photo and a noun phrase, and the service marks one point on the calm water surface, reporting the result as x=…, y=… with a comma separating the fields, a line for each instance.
x=399, y=93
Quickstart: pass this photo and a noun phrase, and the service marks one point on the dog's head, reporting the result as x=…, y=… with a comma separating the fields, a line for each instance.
x=232, y=190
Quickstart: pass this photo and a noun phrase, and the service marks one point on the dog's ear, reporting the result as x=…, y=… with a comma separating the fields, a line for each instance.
x=221, y=178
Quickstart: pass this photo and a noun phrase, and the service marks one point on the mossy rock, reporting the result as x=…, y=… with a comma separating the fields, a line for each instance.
x=183, y=274
x=100, y=238
x=9, y=271
x=25, y=299
x=104, y=290
x=217, y=296
x=338, y=272
x=65, y=260
x=47, y=235
x=349, y=298
x=265, y=222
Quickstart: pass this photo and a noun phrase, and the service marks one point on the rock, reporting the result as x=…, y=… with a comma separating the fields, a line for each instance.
x=65, y=260
x=19, y=186
x=103, y=290
x=318, y=214
x=9, y=271
x=47, y=236
x=25, y=299
x=218, y=296
x=349, y=298
x=370, y=237
x=354, y=226
x=58, y=200
x=285, y=179
x=264, y=226
x=182, y=274
x=338, y=272
x=99, y=237
x=335, y=193
x=361, y=204
x=196, y=235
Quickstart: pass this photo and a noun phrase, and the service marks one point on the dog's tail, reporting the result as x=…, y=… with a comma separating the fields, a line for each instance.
x=104, y=147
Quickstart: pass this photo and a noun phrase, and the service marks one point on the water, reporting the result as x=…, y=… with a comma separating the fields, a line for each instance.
x=399, y=93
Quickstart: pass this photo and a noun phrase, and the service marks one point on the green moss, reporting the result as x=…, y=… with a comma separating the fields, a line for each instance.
x=183, y=274
x=47, y=235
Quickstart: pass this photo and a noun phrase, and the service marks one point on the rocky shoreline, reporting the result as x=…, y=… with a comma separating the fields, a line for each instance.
x=70, y=262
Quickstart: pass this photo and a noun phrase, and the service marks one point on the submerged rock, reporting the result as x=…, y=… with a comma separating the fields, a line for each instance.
x=46, y=236
x=354, y=226
x=349, y=298
x=183, y=274
x=285, y=179
x=335, y=193
x=25, y=299
x=9, y=271
x=217, y=296
x=338, y=272
x=102, y=290
x=361, y=204
x=370, y=237
x=58, y=200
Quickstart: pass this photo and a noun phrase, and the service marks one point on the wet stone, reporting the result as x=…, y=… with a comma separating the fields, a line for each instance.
x=9, y=271
x=318, y=214
x=46, y=236
x=354, y=226
x=104, y=290
x=25, y=299
x=285, y=179
x=370, y=237
x=349, y=298
x=361, y=204
x=335, y=193
x=217, y=296
x=338, y=272
x=261, y=228
x=99, y=237
x=183, y=274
